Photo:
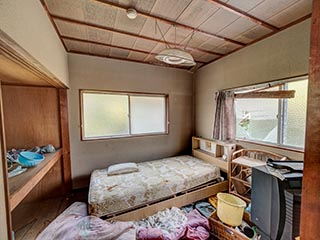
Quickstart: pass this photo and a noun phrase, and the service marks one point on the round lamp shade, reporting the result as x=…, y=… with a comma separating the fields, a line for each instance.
x=175, y=56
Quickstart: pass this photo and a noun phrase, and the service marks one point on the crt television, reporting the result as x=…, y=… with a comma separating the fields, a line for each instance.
x=275, y=204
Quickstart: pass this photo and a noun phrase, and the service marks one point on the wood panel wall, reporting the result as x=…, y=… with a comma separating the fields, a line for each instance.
x=31, y=116
x=52, y=185
x=65, y=140
x=310, y=210
x=5, y=217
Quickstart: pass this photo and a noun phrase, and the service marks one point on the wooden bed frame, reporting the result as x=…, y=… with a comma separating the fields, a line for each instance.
x=177, y=200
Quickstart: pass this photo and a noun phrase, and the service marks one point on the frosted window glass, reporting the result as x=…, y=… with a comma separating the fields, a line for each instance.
x=105, y=115
x=295, y=123
x=148, y=114
x=257, y=119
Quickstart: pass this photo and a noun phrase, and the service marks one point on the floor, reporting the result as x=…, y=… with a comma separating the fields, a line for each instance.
x=34, y=217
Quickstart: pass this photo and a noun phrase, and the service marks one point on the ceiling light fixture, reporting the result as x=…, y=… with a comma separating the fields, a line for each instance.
x=174, y=55
x=132, y=13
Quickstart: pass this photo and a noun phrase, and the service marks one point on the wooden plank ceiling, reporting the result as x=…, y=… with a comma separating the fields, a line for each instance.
x=211, y=29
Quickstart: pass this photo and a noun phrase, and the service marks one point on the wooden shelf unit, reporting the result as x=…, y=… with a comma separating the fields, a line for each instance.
x=33, y=116
x=20, y=186
x=213, y=151
x=240, y=170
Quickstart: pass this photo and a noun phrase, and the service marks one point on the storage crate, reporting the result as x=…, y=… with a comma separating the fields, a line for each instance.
x=224, y=232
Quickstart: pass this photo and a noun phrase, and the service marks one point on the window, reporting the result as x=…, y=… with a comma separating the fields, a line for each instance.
x=275, y=121
x=113, y=114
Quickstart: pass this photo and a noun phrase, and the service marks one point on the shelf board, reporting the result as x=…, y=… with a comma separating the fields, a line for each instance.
x=248, y=162
x=210, y=157
x=205, y=152
x=21, y=185
x=248, y=200
x=247, y=184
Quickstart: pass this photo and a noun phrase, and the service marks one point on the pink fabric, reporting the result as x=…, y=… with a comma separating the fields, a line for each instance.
x=150, y=234
x=196, y=228
x=196, y=233
x=196, y=219
x=74, y=223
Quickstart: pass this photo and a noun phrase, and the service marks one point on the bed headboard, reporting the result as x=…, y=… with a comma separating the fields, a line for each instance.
x=216, y=152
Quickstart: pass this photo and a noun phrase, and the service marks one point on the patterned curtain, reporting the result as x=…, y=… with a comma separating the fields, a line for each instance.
x=224, y=127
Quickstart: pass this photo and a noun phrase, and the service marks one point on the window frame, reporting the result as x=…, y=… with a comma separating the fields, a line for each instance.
x=128, y=94
x=282, y=108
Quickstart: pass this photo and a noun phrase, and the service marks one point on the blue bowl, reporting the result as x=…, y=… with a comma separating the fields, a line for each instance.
x=30, y=159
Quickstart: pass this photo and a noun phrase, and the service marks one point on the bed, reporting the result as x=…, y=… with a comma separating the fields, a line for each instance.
x=155, y=181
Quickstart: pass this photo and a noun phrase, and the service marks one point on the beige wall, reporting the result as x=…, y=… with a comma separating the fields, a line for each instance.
x=27, y=23
x=88, y=72
x=282, y=55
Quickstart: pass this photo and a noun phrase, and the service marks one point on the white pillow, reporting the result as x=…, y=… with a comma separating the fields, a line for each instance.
x=122, y=168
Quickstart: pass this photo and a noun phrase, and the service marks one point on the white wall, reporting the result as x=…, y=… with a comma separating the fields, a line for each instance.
x=282, y=55
x=88, y=72
x=27, y=23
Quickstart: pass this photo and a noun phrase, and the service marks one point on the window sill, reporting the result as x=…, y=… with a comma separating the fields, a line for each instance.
x=121, y=137
x=281, y=147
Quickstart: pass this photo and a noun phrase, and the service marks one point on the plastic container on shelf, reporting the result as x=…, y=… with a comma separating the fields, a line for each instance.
x=30, y=159
x=230, y=209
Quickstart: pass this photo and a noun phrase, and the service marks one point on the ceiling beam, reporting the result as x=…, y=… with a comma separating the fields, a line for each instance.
x=128, y=60
x=167, y=21
x=87, y=24
x=111, y=46
x=243, y=14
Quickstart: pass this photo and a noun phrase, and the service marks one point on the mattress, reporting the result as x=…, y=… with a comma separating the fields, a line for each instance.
x=154, y=181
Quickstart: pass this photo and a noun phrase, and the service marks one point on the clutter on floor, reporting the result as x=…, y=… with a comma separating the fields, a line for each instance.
x=167, y=220
x=232, y=218
x=204, y=207
x=174, y=224
x=197, y=221
x=74, y=223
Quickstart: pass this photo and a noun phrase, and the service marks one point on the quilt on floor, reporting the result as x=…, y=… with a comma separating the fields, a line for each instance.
x=74, y=223
x=155, y=180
